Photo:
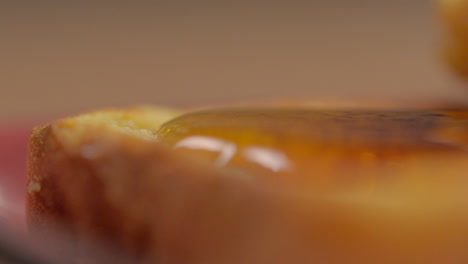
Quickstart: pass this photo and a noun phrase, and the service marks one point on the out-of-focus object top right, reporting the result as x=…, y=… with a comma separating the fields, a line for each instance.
x=455, y=17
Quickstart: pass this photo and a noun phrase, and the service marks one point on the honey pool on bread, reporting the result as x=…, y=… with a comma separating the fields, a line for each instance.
x=319, y=149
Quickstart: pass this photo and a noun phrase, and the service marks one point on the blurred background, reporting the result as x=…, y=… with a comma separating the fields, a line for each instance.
x=62, y=57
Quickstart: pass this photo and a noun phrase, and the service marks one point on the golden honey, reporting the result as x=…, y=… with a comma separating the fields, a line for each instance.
x=319, y=149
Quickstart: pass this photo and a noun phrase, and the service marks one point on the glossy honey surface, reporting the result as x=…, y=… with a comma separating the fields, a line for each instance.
x=319, y=148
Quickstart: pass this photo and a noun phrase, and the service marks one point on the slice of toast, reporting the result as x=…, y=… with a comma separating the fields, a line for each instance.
x=104, y=178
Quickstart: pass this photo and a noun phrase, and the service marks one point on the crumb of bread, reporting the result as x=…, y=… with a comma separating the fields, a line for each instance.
x=141, y=122
x=34, y=186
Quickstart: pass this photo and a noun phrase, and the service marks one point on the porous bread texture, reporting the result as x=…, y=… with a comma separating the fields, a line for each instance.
x=142, y=122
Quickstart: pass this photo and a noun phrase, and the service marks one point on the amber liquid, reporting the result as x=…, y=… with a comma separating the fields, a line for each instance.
x=318, y=149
